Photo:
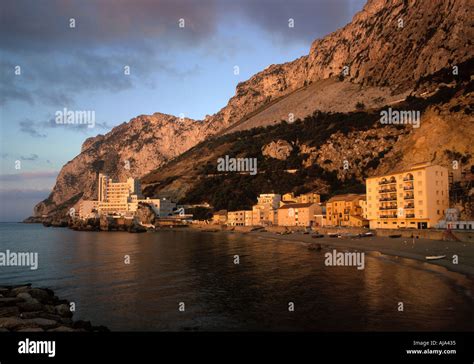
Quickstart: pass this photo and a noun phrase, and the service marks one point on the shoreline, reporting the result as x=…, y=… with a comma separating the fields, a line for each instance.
x=394, y=247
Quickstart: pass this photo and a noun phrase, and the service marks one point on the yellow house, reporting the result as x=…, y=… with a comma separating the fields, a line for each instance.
x=239, y=218
x=265, y=211
x=298, y=214
x=310, y=197
x=346, y=210
x=219, y=217
x=413, y=198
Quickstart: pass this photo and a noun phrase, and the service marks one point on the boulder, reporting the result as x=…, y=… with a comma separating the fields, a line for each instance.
x=63, y=310
x=30, y=305
x=9, y=311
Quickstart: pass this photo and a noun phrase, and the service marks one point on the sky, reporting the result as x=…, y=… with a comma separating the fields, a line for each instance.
x=181, y=56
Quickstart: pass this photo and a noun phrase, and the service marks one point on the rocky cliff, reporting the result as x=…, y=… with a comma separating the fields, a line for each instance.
x=379, y=58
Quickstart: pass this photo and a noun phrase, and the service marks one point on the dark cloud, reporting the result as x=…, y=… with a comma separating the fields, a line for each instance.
x=59, y=62
x=312, y=18
x=44, y=25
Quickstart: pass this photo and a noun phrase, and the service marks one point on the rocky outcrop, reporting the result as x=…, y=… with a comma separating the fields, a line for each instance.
x=279, y=149
x=28, y=309
x=390, y=43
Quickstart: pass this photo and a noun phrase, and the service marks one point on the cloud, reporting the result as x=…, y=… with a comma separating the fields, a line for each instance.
x=31, y=157
x=59, y=62
x=30, y=128
x=38, y=129
x=312, y=18
x=26, y=176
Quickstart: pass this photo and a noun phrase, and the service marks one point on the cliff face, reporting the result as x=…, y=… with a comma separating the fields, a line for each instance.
x=130, y=149
x=387, y=48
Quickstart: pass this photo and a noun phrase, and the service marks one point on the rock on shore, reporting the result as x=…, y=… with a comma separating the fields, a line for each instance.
x=28, y=309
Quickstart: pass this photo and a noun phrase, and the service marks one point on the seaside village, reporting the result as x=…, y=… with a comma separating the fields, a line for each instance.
x=417, y=198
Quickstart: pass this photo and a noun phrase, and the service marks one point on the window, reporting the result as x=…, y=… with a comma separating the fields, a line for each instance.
x=437, y=192
x=420, y=202
x=420, y=212
x=420, y=193
x=438, y=212
x=437, y=202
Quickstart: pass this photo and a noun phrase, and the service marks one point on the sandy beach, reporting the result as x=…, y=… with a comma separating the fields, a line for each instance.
x=416, y=249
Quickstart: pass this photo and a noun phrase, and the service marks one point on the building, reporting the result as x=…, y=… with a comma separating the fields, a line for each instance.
x=87, y=209
x=288, y=198
x=310, y=197
x=451, y=221
x=320, y=216
x=346, y=210
x=414, y=198
x=122, y=198
x=239, y=218
x=161, y=206
x=219, y=217
x=298, y=214
x=265, y=211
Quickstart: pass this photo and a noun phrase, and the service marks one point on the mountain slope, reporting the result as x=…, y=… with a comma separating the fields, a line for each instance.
x=384, y=64
x=319, y=146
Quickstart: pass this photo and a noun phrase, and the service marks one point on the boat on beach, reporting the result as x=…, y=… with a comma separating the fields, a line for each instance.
x=435, y=257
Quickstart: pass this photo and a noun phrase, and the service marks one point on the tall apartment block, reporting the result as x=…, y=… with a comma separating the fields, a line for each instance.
x=414, y=198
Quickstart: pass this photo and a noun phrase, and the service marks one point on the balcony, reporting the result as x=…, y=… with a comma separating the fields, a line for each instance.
x=410, y=216
x=388, y=199
x=408, y=188
x=388, y=208
x=388, y=190
x=409, y=206
x=389, y=216
x=408, y=179
x=409, y=197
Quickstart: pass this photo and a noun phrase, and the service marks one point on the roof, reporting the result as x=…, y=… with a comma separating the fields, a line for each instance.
x=221, y=212
x=296, y=205
x=347, y=197
x=414, y=167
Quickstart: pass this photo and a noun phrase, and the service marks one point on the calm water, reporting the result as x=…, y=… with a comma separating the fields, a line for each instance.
x=197, y=268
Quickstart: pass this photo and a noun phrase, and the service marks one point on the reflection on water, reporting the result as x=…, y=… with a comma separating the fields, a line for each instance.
x=198, y=269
